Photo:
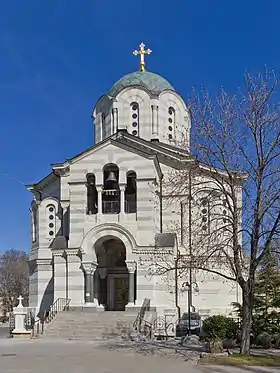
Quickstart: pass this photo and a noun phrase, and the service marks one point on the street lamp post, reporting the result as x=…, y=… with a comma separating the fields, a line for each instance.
x=188, y=286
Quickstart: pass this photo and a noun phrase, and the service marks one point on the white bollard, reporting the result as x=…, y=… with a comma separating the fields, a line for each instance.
x=20, y=312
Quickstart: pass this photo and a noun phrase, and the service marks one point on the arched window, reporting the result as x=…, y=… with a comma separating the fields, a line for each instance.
x=111, y=190
x=171, y=123
x=131, y=193
x=92, y=199
x=134, y=109
x=51, y=220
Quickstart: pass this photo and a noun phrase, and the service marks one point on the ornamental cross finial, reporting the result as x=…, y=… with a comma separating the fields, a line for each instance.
x=20, y=299
x=142, y=53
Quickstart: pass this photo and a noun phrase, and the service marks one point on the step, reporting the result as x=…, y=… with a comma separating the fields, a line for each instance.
x=89, y=325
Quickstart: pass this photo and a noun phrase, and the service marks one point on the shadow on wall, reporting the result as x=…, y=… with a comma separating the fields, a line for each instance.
x=47, y=299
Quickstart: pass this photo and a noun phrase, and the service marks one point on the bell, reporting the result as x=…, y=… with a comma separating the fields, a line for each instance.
x=111, y=176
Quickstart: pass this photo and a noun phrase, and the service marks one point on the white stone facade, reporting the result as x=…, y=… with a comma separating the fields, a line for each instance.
x=98, y=253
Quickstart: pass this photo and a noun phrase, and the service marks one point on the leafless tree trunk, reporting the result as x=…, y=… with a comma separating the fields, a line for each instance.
x=13, y=278
x=237, y=158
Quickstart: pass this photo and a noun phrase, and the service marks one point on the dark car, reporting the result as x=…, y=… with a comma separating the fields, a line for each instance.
x=182, y=327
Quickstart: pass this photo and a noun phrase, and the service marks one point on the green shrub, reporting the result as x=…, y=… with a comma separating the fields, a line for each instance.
x=215, y=346
x=264, y=340
x=275, y=340
x=219, y=326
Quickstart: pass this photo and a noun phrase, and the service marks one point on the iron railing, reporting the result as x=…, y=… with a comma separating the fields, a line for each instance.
x=140, y=325
x=60, y=305
x=111, y=207
x=114, y=207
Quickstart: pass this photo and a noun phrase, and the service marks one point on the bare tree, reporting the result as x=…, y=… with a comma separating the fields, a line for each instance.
x=231, y=187
x=13, y=278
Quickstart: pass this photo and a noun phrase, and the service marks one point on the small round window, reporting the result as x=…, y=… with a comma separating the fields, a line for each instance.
x=170, y=137
x=51, y=217
x=170, y=120
x=134, y=116
x=134, y=133
x=51, y=209
x=51, y=225
x=170, y=128
x=51, y=233
x=171, y=111
x=134, y=107
x=134, y=124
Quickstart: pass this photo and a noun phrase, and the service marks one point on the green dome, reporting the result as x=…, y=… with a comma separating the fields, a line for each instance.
x=152, y=82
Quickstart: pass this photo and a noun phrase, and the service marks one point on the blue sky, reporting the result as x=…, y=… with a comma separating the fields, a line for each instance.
x=58, y=57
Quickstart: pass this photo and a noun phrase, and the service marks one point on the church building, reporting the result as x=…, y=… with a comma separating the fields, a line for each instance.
x=98, y=220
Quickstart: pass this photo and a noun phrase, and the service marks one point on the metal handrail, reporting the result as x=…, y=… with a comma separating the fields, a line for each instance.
x=140, y=316
x=60, y=305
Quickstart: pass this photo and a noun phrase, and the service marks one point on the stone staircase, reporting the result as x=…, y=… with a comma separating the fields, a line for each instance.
x=93, y=326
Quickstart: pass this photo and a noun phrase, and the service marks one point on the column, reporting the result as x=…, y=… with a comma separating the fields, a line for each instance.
x=91, y=286
x=122, y=207
x=131, y=266
x=75, y=279
x=99, y=189
x=59, y=275
x=87, y=287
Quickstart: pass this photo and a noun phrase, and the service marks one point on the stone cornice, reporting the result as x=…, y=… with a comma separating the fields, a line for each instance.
x=42, y=262
x=58, y=252
x=73, y=252
x=151, y=251
x=77, y=182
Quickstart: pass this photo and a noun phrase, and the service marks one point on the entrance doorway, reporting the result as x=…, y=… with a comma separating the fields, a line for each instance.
x=112, y=291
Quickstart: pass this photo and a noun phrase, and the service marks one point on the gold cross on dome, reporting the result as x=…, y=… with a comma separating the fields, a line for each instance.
x=142, y=53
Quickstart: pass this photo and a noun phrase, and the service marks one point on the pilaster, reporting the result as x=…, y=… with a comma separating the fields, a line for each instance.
x=75, y=278
x=59, y=274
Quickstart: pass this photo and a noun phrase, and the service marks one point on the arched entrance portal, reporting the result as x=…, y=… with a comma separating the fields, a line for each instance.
x=113, y=274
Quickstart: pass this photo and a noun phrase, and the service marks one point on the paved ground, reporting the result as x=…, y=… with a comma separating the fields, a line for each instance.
x=33, y=356
x=42, y=356
x=4, y=330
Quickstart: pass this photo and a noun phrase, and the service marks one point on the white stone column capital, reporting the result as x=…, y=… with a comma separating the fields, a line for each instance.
x=131, y=266
x=89, y=267
x=122, y=187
